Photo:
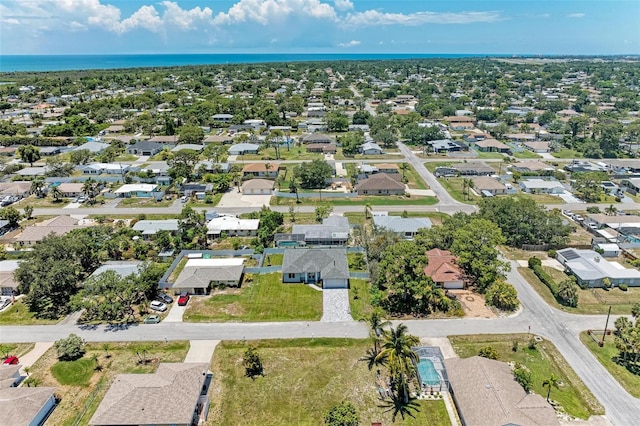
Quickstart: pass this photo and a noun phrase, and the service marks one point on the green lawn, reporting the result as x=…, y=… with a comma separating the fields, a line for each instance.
x=303, y=379
x=543, y=198
x=149, y=216
x=414, y=179
x=391, y=200
x=294, y=153
x=390, y=156
x=453, y=185
x=355, y=218
x=215, y=199
x=15, y=349
x=144, y=202
x=73, y=373
x=19, y=314
x=566, y=153
x=592, y=301
x=572, y=395
x=606, y=356
x=266, y=298
x=42, y=203
x=359, y=298
x=526, y=154
x=273, y=259
x=489, y=155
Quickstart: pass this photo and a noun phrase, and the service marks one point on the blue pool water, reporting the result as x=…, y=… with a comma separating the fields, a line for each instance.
x=428, y=374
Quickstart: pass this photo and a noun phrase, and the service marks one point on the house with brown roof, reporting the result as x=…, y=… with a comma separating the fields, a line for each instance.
x=20, y=188
x=380, y=184
x=492, y=145
x=444, y=270
x=258, y=187
x=71, y=189
x=488, y=186
x=260, y=170
x=176, y=394
x=325, y=148
x=8, y=283
x=486, y=393
x=387, y=168
x=58, y=225
x=540, y=147
x=317, y=138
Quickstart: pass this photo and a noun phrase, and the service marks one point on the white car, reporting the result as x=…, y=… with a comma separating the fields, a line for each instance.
x=158, y=306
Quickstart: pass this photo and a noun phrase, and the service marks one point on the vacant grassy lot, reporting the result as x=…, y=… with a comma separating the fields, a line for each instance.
x=414, y=179
x=44, y=202
x=19, y=314
x=215, y=199
x=293, y=153
x=390, y=200
x=606, y=356
x=261, y=298
x=488, y=155
x=80, y=400
x=360, y=298
x=303, y=379
x=526, y=154
x=144, y=202
x=591, y=301
x=453, y=185
x=543, y=198
x=572, y=395
x=566, y=153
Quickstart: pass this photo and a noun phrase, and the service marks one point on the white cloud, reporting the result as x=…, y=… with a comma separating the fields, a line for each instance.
x=576, y=15
x=375, y=17
x=343, y=4
x=266, y=11
x=352, y=43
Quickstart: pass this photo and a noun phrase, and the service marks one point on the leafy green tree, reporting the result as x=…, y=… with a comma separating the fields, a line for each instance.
x=28, y=153
x=28, y=211
x=523, y=376
x=568, y=292
x=190, y=134
x=80, y=156
x=343, y=414
x=252, y=363
x=69, y=348
x=323, y=211
x=38, y=186
x=502, y=295
x=588, y=185
x=488, y=352
x=12, y=215
x=313, y=174
x=181, y=163
x=351, y=142
x=56, y=194
x=337, y=121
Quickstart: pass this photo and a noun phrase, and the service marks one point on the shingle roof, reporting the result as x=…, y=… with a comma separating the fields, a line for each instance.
x=143, y=398
x=260, y=167
x=402, y=224
x=487, y=183
x=202, y=276
x=331, y=263
x=486, y=394
x=379, y=181
x=258, y=184
x=442, y=266
x=153, y=226
x=19, y=406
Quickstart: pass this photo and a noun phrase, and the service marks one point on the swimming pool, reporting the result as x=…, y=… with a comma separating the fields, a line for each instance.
x=428, y=374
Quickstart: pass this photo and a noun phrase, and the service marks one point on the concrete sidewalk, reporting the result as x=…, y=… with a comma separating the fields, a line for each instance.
x=31, y=357
x=201, y=350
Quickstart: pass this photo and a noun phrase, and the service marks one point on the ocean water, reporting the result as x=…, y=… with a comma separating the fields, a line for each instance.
x=16, y=63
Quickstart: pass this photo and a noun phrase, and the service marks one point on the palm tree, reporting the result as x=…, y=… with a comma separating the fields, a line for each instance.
x=89, y=188
x=470, y=185
x=106, y=348
x=399, y=357
x=465, y=185
x=611, y=210
x=293, y=187
x=404, y=167
x=552, y=381
x=27, y=370
x=367, y=210
x=37, y=186
x=56, y=194
x=268, y=166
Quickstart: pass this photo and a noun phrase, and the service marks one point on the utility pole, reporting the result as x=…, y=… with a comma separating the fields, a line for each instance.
x=605, y=326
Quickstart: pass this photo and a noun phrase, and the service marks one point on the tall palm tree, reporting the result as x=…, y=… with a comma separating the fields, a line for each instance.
x=377, y=323
x=56, y=194
x=470, y=185
x=404, y=167
x=465, y=185
x=37, y=186
x=399, y=357
x=552, y=381
x=89, y=188
x=611, y=210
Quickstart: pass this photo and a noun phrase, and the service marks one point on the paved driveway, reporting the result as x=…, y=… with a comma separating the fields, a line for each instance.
x=335, y=305
x=201, y=350
x=175, y=313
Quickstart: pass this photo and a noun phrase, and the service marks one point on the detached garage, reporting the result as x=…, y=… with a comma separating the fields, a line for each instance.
x=258, y=187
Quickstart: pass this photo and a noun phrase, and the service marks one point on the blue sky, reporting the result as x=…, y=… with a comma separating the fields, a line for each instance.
x=319, y=26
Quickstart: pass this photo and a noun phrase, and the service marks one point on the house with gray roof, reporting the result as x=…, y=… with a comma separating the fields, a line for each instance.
x=334, y=231
x=151, y=227
x=93, y=147
x=486, y=393
x=26, y=405
x=370, y=148
x=244, y=148
x=145, y=148
x=199, y=275
x=8, y=283
x=123, y=268
x=326, y=266
x=141, y=399
x=405, y=227
x=591, y=269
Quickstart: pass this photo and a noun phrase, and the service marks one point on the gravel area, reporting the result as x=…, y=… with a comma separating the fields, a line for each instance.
x=335, y=305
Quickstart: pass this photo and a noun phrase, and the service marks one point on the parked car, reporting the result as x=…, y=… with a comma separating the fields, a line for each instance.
x=152, y=319
x=184, y=298
x=165, y=298
x=158, y=306
x=11, y=360
x=184, y=199
x=4, y=303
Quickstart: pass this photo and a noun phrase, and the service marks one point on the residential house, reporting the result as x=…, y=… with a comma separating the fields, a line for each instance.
x=222, y=118
x=15, y=188
x=334, y=231
x=93, y=147
x=370, y=148
x=532, y=167
x=473, y=169
x=71, y=189
x=585, y=166
x=591, y=270
x=58, y=225
x=541, y=186
x=258, y=187
x=122, y=268
x=104, y=169
x=212, y=167
x=149, y=228
x=140, y=190
x=200, y=275
x=232, y=226
x=199, y=190
x=4, y=226
x=380, y=184
x=606, y=249
x=244, y=148
x=493, y=145
x=539, y=147
x=387, y=168
x=165, y=140
x=405, y=227
x=631, y=185
x=26, y=405
x=223, y=138
x=447, y=145
x=520, y=137
x=327, y=266
x=31, y=171
x=158, y=173
x=188, y=146
x=260, y=170
x=485, y=393
x=48, y=151
x=488, y=186
x=316, y=138
x=141, y=399
x=443, y=269
x=145, y=148
x=8, y=283
x=10, y=376
x=325, y=148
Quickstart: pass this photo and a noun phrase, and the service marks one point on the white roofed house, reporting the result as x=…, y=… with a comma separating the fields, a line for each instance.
x=405, y=227
x=104, y=169
x=591, y=269
x=542, y=186
x=232, y=226
x=148, y=228
x=370, y=148
x=141, y=190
